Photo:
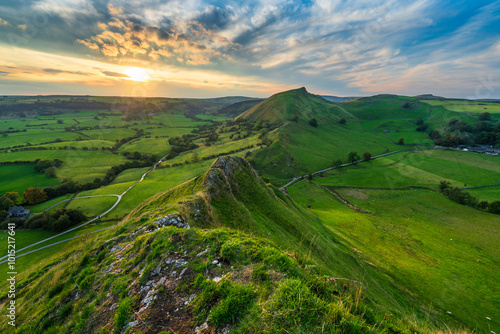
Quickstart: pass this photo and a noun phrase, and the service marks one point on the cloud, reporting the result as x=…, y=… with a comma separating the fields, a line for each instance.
x=115, y=74
x=353, y=46
x=190, y=43
x=67, y=9
x=56, y=71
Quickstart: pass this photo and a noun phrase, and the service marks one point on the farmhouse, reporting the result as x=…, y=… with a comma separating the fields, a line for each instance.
x=18, y=212
x=485, y=149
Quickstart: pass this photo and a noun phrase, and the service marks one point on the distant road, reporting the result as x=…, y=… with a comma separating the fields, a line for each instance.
x=57, y=243
x=119, y=198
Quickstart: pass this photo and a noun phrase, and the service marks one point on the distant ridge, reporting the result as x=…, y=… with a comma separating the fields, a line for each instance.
x=333, y=98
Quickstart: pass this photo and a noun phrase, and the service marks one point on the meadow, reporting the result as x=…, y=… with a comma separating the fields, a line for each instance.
x=415, y=240
x=421, y=238
x=423, y=169
x=18, y=178
x=467, y=106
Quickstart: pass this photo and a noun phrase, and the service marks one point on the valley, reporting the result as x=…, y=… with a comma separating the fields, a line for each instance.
x=372, y=191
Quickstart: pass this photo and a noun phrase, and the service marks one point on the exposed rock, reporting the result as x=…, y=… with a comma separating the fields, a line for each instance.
x=131, y=324
x=172, y=220
x=201, y=328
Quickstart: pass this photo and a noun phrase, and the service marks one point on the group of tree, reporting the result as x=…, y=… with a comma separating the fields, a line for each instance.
x=181, y=144
x=7, y=200
x=48, y=167
x=463, y=197
x=122, y=141
x=56, y=221
x=483, y=132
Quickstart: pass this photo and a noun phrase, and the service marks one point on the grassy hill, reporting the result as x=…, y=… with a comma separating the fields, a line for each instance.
x=252, y=260
x=297, y=103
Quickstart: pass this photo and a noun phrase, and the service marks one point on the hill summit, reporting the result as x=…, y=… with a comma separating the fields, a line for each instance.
x=285, y=106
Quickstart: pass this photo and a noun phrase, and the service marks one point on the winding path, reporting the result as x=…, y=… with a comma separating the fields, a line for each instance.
x=119, y=198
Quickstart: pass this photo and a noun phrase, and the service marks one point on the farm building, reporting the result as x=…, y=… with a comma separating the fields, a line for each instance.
x=18, y=212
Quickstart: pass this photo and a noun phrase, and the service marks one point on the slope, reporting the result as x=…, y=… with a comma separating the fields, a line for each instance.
x=297, y=103
x=160, y=271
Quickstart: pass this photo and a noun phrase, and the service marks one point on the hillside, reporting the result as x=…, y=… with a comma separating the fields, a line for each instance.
x=292, y=104
x=264, y=264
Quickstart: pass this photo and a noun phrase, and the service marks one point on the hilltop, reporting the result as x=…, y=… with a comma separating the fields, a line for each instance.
x=296, y=104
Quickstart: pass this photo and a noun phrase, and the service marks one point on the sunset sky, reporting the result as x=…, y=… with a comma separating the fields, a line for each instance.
x=196, y=48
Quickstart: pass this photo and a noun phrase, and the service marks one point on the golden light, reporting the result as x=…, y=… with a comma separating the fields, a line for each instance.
x=137, y=74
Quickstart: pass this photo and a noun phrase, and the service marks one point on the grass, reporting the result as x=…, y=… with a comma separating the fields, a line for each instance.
x=423, y=168
x=92, y=206
x=444, y=257
x=18, y=178
x=36, y=137
x=302, y=149
x=466, y=106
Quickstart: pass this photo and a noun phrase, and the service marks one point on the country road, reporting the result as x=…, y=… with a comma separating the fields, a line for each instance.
x=355, y=162
x=119, y=198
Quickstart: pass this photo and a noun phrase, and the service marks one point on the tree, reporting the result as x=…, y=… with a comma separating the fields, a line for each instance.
x=401, y=141
x=450, y=140
x=419, y=122
x=485, y=116
x=352, y=157
x=494, y=207
x=12, y=195
x=483, y=205
x=34, y=195
x=342, y=121
x=313, y=122
x=60, y=121
x=50, y=172
x=434, y=134
x=337, y=163
x=367, y=156
x=444, y=185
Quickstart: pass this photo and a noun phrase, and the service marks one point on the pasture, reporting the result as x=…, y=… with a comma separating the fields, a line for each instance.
x=435, y=247
x=18, y=178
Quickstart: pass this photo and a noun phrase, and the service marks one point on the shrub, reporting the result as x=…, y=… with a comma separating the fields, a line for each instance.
x=352, y=157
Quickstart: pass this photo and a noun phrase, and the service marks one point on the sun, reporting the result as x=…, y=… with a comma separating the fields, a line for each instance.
x=137, y=74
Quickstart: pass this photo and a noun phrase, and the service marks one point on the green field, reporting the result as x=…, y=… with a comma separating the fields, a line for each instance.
x=420, y=254
x=422, y=168
x=18, y=178
x=417, y=235
x=467, y=106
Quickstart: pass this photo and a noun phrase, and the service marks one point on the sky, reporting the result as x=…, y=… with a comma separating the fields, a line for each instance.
x=197, y=48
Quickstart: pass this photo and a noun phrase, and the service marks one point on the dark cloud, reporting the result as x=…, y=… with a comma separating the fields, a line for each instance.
x=214, y=18
x=114, y=74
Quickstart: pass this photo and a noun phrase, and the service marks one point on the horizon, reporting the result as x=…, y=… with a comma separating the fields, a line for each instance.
x=206, y=49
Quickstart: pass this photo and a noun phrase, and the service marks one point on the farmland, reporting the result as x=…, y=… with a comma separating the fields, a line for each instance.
x=382, y=221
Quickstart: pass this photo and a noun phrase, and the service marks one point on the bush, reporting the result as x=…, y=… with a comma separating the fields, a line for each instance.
x=367, y=156
x=352, y=157
x=494, y=207
x=313, y=122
